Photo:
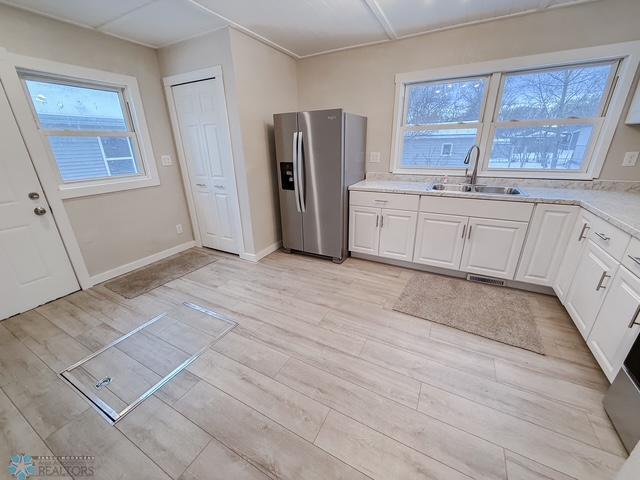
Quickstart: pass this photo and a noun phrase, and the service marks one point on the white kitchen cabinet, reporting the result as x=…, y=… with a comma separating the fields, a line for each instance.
x=440, y=240
x=572, y=253
x=617, y=324
x=591, y=281
x=364, y=230
x=493, y=247
x=397, y=234
x=547, y=239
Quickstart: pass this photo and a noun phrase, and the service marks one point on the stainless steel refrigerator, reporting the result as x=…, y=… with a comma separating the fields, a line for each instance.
x=319, y=154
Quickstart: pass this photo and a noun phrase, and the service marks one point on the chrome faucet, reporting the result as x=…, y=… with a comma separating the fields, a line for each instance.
x=467, y=159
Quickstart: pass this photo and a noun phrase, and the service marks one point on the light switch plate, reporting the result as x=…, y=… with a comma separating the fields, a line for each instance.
x=630, y=159
x=374, y=157
x=179, y=229
x=166, y=160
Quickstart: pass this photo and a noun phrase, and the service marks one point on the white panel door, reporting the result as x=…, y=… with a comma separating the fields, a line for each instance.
x=617, y=324
x=204, y=129
x=34, y=266
x=440, y=240
x=397, y=234
x=571, y=257
x=364, y=229
x=589, y=287
x=493, y=247
x=546, y=243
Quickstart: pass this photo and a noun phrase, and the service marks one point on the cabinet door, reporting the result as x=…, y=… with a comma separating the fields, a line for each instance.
x=397, y=234
x=577, y=241
x=364, y=230
x=590, y=284
x=617, y=324
x=546, y=242
x=439, y=240
x=493, y=247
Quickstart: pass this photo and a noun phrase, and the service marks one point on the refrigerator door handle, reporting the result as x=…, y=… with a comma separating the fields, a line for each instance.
x=300, y=161
x=296, y=188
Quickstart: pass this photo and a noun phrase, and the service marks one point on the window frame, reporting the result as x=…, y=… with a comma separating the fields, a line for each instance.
x=626, y=54
x=131, y=103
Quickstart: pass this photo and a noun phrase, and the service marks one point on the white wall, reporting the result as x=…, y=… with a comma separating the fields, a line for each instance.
x=116, y=228
x=362, y=80
x=259, y=81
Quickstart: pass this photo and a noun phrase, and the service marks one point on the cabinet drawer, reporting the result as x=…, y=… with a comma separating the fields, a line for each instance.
x=631, y=258
x=611, y=239
x=499, y=209
x=397, y=201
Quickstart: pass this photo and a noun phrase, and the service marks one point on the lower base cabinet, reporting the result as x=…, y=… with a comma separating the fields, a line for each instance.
x=617, y=324
x=440, y=240
x=493, y=247
x=397, y=234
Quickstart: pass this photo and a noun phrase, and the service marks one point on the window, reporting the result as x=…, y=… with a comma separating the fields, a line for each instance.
x=438, y=116
x=87, y=127
x=551, y=122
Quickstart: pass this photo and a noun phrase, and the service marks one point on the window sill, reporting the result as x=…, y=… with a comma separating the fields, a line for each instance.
x=497, y=174
x=86, y=189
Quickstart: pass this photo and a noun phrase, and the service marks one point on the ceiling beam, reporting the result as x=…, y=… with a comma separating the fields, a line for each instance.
x=382, y=18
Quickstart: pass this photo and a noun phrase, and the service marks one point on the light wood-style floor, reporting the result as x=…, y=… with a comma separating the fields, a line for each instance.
x=320, y=380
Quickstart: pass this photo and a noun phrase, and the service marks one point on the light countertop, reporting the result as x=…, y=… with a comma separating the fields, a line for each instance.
x=621, y=209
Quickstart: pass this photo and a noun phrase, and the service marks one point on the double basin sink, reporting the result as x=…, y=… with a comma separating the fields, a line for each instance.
x=467, y=188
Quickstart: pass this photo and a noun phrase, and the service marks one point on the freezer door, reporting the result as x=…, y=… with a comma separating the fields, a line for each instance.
x=321, y=181
x=286, y=134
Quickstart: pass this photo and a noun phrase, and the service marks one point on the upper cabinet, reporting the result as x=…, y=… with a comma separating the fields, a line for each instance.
x=546, y=243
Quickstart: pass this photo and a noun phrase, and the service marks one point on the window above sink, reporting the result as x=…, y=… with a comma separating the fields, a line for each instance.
x=543, y=116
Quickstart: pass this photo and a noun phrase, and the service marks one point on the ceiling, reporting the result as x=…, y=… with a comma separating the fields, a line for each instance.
x=300, y=28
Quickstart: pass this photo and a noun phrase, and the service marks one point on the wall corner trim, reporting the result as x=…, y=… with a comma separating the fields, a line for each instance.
x=256, y=257
x=142, y=262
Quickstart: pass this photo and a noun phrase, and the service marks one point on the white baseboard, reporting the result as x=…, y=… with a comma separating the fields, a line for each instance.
x=142, y=262
x=256, y=257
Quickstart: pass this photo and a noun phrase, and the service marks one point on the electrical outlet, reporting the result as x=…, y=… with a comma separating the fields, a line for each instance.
x=630, y=159
x=179, y=228
x=374, y=157
x=166, y=160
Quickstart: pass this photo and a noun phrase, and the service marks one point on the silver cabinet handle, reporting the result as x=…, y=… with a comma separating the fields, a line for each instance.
x=635, y=259
x=582, y=235
x=377, y=220
x=602, y=236
x=39, y=211
x=380, y=201
x=201, y=184
x=382, y=220
x=600, y=285
x=634, y=319
x=469, y=235
x=218, y=186
x=464, y=228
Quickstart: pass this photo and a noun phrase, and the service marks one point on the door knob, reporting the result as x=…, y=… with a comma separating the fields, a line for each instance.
x=39, y=211
x=34, y=195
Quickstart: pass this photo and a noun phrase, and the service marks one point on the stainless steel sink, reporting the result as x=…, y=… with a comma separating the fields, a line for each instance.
x=465, y=187
x=452, y=187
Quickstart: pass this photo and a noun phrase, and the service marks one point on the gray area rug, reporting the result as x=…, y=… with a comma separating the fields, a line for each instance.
x=498, y=313
x=157, y=274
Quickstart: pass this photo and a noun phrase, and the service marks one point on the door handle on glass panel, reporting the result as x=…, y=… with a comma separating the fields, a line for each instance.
x=634, y=318
x=464, y=229
x=635, y=259
x=602, y=278
x=296, y=191
x=39, y=211
x=300, y=160
x=602, y=236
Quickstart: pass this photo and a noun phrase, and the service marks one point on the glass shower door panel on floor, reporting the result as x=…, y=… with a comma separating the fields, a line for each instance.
x=118, y=377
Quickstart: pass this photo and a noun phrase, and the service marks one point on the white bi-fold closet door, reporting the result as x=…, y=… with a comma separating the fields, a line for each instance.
x=204, y=133
x=34, y=265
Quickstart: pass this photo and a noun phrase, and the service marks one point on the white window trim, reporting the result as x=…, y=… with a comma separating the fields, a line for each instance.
x=628, y=52
x=131, y=94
